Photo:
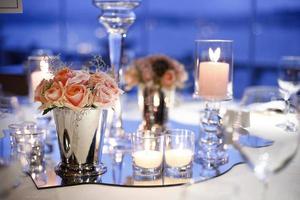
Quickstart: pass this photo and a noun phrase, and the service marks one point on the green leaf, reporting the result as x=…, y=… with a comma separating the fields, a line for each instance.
x=48, y=110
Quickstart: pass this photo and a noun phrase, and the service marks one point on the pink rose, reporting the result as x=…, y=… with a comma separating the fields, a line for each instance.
x=76, y=96
x=168, y=79
x=63, y=75
x=106, y=93
x=55, y=93
x=79, y=78
x=40, y=90
x=96, y=78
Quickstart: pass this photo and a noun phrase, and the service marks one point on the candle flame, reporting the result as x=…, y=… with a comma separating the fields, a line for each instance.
x=214, y=55
x=44, y=66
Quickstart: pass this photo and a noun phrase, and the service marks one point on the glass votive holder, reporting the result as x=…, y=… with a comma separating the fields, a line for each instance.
x=29, y=146
x=179, y=152
x=14, y=130
x=33, y=150
x=147, y=155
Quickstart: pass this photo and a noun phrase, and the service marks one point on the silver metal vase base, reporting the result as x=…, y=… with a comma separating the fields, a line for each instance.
x=80, y=136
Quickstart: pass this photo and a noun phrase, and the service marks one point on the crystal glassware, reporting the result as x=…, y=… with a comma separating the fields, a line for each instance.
x=265, y=105
x=289, y=84
x=179, y=152
x=213, y=85
x=147, y=154
x=117, y=16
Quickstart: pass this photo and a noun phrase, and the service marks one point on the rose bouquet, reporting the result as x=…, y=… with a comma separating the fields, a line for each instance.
x=77, y=90
x=156, y=70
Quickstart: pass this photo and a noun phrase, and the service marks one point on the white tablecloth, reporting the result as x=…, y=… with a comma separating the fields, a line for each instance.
x=238, y=183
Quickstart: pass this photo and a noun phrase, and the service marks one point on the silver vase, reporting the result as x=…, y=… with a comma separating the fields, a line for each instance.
x=80, y=137
x=154, y=103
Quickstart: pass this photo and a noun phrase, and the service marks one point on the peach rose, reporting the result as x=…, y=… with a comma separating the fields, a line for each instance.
x=40, y=90
x=63, y=75
x=76, y=96
x=79, y=78
x=168, y=79
x=54, y=94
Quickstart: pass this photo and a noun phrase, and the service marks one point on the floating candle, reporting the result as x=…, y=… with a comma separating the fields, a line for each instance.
x=148, y=159
x=178, y=157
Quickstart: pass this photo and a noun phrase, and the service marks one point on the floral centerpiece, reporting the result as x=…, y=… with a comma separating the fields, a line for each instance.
x=157, y=77
x=77, y=90
x=79, y=101
x=156, y=70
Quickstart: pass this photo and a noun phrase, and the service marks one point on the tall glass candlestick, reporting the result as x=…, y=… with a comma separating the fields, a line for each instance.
x=213, y=85
x=117, y=16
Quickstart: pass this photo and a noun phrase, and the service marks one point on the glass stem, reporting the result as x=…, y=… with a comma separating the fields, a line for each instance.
x=265, y=190
x=115, y=55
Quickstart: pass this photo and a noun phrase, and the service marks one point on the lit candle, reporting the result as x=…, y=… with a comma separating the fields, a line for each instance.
x=178, y=157
x=213, y=77
x=148, y=159
x=38, y=76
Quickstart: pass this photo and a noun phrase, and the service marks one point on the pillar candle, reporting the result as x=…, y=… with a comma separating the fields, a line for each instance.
x=213, y=80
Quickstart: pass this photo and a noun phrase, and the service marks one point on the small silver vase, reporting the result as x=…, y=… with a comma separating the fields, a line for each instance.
x=80, y=137
x=154, y=103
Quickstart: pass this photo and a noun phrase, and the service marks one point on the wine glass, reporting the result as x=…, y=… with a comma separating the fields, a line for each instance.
x=266, y=108
x=289, y=83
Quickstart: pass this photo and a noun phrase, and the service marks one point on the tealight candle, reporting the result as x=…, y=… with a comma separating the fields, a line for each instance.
x=148, y=159
x=213, y=77
x=178, y=157
x=147, y=154
x=179, y=152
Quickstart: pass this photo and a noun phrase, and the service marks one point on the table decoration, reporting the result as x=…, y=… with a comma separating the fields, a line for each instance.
x=213, y=85
x=179, y=152
x=119, y=166
x=157, y=77
x=117, y=16
x=79, y=101
x=147, y=155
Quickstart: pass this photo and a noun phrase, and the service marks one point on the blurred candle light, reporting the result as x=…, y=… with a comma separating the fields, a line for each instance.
x=38, y=76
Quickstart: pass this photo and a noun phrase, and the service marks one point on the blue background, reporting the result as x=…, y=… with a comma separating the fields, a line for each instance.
x=263, y=31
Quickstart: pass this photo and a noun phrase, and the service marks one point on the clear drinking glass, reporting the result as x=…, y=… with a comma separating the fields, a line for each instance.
x=289, y=83
x=265, y=105
x=179, y=152
x=147, y=155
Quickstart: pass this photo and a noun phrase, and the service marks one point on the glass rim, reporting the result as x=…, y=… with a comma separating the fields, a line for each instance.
x=213, y=40
x=182, y=134
x=141, y=136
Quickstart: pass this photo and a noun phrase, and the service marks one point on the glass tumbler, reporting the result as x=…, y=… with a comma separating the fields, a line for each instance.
x=147, y=154
x=179, y=152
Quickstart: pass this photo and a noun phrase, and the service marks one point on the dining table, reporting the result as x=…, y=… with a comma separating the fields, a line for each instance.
x=237, y=183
